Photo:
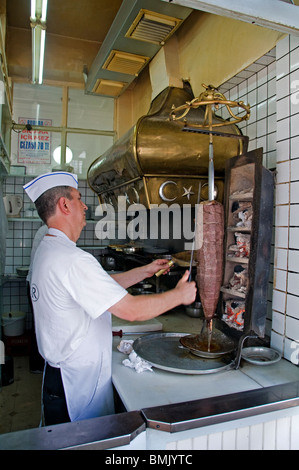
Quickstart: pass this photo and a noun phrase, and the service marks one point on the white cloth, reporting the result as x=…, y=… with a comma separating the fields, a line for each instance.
x=71, y=294
x=35, y=188
x=134, y=361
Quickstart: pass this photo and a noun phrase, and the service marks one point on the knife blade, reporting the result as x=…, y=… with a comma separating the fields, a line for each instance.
x=193, y=242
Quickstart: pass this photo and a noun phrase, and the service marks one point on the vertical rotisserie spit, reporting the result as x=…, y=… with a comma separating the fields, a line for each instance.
x=210, y=220
x=210, y=255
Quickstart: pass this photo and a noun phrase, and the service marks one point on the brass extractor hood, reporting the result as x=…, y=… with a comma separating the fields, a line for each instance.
x=156, y=162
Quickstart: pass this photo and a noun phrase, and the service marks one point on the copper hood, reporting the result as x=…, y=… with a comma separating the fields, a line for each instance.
x=161, y=161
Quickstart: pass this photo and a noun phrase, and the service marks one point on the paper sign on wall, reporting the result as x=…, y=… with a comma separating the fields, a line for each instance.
x=34, y=146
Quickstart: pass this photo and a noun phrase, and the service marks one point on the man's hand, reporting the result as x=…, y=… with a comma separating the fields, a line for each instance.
x=187, y=289
x=155, y=266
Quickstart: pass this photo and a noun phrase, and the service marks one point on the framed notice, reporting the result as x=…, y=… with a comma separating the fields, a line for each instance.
x=34, y=146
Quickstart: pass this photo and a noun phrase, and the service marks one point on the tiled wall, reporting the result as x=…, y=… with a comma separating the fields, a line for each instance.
x=285, y=324
x=258, y=90
x=273, y=94
x=19, y=239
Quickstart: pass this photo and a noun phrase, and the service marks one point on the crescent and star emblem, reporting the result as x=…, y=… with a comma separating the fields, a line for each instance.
x=187, y=192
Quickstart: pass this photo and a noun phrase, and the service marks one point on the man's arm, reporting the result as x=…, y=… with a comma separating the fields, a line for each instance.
x=131, y=277
x=145, y=307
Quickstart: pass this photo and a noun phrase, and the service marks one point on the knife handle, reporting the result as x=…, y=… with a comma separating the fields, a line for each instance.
x=170, y=264
x=117, y=333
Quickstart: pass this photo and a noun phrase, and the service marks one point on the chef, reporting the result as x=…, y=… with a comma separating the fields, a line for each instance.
x=73, y=298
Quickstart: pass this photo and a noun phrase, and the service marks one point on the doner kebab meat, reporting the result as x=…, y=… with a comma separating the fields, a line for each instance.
x=209, y=244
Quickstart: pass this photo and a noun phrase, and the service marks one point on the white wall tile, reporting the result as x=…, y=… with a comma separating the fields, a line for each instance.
x=261, y=127
x=294, y=42
x=295, y=147
x=283, y=129
x=291, y=350
x=294, y=89
x=294, y=214
x=262, y=109
x=280, y=258
x=294, y=125
x=277, y=341
x=282, y=150
x=282, y=47
x=282, y=193
x=282, y=88
x=282, y=67
x=262, y=142
x=281, y=237
x=262, y=93
x=294, y=237
x=292, y=306
x=283, y=108
x=293, y=260
x=271, y=138
x=294, y=192
x=279, y=301
x=272, y=89
x=280, y=279
x=293, y=283
x=251, y=84
x=262, y=76
x=278, y=320
x=283, y=172
x=295, y=169
x=292, y=328
x=282, y=216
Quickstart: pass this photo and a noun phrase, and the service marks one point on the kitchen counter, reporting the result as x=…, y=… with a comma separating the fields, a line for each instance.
x=253, y=407
x=160, y=387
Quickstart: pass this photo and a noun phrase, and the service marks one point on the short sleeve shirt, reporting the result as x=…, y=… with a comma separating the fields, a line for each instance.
x=69, y=289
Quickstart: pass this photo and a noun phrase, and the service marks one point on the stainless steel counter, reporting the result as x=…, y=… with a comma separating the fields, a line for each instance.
x=160, y=387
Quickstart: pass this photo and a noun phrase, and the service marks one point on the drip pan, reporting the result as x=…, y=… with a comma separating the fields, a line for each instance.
x=164, y=351
x=198, y=344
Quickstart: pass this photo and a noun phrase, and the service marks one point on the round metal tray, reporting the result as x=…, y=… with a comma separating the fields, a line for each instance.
x=260, y=356
x=164, y=351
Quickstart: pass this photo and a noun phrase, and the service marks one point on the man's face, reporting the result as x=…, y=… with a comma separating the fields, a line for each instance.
x=78, y=209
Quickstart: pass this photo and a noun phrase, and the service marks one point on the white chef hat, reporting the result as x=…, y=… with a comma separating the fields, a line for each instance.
x=42, y=183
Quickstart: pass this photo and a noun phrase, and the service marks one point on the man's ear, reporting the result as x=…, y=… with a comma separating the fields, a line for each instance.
x=63, y=205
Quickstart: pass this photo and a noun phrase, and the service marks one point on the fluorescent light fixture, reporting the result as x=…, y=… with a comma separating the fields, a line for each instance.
x=38, y=25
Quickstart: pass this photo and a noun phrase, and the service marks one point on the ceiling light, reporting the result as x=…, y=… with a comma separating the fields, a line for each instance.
x=38, y=25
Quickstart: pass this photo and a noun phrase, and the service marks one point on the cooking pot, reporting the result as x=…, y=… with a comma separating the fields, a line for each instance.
x=132, y=249
x=127, y=249
x=13, y=205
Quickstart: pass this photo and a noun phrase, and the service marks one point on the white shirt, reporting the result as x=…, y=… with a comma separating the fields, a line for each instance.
x=71, y=294
x=36, y=241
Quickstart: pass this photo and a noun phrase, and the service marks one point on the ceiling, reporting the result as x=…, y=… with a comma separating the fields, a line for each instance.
x=81, y=35
x=90, y=36
x=76, y=29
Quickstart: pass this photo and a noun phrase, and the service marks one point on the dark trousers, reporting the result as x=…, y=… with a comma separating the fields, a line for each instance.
x=54, y=401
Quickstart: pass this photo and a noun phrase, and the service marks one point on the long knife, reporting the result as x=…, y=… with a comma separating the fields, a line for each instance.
x=193, y=242
x=121, y=333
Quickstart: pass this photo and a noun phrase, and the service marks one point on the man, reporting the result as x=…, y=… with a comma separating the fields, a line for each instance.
x=73, y=298
x=36, y=362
